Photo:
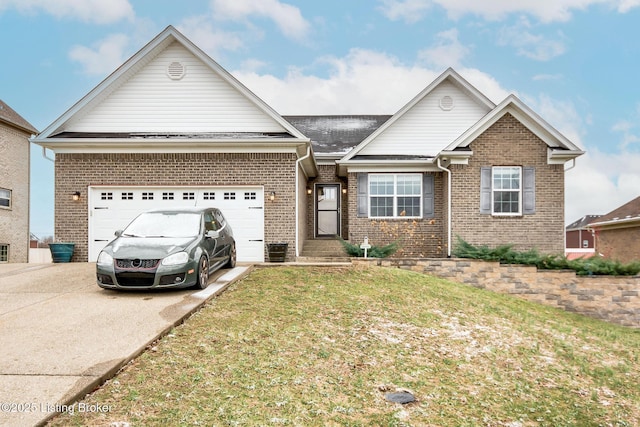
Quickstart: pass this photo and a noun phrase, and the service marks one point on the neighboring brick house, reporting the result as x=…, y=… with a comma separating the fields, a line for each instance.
x=14, y=185
x=580, y=240
x=617, y=234
x=170, y=127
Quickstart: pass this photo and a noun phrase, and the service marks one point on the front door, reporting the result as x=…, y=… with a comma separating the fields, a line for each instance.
x=327, y=210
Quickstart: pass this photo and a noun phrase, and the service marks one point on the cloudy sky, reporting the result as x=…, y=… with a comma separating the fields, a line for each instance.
x=575, y=62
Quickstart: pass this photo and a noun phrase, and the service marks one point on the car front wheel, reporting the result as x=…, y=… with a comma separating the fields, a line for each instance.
x=203, y=273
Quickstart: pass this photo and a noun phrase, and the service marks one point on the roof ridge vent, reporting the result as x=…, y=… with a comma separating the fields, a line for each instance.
x=176, y=70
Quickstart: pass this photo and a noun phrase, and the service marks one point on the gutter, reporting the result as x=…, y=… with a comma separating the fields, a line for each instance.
x=448, y=206
x=298, y=162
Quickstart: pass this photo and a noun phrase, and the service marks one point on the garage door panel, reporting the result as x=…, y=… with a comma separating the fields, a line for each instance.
x=112, y=208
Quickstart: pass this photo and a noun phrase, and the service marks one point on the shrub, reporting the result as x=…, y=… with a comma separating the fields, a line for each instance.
x=505, y=254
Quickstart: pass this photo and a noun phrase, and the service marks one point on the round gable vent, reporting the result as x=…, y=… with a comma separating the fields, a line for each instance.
x=176, y=70
x=446, y=103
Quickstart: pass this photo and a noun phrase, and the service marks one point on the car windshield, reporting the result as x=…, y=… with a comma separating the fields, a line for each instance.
x=164, y=224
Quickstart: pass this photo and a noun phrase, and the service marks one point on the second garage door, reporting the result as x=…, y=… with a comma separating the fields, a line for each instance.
x=112, y=208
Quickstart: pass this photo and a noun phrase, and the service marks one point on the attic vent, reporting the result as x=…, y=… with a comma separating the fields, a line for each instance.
x=446, y=103
x=176, y=70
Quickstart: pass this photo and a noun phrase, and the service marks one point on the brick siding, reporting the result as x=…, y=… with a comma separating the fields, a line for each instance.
x=76, y=172
x=509, y=143
x=14, y=164
x=622, y=244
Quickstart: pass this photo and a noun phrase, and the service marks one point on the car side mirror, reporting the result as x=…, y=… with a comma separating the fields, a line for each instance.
x=118, y=233
x=212, y=234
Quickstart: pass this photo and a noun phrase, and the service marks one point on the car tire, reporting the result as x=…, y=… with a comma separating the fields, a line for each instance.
x=232, y=256
x=203, y=273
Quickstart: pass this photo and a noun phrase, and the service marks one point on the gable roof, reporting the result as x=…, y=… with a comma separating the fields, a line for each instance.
x=560, y=148
x=627, y=214
x=56, y=134
x=448, y=76
x=10, y=117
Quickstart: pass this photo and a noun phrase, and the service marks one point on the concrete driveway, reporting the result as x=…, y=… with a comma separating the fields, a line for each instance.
x=61, y=335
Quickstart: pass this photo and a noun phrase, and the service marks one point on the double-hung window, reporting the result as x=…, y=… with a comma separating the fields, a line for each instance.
x=507, y=190
x=5, y=198
x=395, y=195
x=4, y=253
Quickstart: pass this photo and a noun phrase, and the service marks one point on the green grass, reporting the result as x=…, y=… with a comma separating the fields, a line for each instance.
x=321, y=346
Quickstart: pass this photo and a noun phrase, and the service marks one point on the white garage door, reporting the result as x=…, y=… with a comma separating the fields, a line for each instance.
x=112, y=208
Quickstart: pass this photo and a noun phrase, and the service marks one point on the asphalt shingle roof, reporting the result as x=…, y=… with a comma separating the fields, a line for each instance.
x=336, y=134
x=8, y=115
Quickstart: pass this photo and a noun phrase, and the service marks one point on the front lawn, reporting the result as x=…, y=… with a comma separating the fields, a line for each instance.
x=322, y=346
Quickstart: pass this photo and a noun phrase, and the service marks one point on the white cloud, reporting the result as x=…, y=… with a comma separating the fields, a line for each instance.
x=104, y=57
x=200, y=30
x=288, y=18
x=601, y=182
x=407, y=10
x=95, y=11
x=629, y=130
x=533, y=46
x=447, y=51
x=353, y=85
x=543, y=10
x=542, y=77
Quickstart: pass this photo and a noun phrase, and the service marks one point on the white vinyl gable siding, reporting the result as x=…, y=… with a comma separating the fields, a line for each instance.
x=426, y=129
x=150, y=101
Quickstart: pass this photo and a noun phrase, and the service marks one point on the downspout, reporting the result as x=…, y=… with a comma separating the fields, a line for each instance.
x=448, y=206
x=297, y=196
x=573, y=165
x=44, y=154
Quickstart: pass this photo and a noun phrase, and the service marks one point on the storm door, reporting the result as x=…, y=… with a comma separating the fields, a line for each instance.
x=327, y=210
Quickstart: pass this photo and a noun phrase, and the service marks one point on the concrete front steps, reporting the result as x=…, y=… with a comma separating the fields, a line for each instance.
x=323, y=250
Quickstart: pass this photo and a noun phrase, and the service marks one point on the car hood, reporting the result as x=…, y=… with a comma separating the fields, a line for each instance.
x=148, y=247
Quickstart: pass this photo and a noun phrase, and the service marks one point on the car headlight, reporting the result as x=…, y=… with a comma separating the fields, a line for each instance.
x=105, y=259
x=176, y=259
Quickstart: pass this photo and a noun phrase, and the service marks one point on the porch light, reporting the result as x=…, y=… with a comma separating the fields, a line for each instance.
x=272, y=196
x=309, y=190
x=75, y=196
x=344, y=191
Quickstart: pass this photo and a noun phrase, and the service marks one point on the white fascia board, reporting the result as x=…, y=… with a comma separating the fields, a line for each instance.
x=385, y=166
x=456, y=157
x=172, y=146
x=616, y=223
x=560, y=157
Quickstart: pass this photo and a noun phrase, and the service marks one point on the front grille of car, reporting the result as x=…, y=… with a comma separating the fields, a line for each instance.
x=130, y=278
x=142, y=264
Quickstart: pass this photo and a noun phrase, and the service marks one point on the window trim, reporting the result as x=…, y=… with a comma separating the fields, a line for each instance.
x=519, y=191
x=395, y=195
x=10, y=198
